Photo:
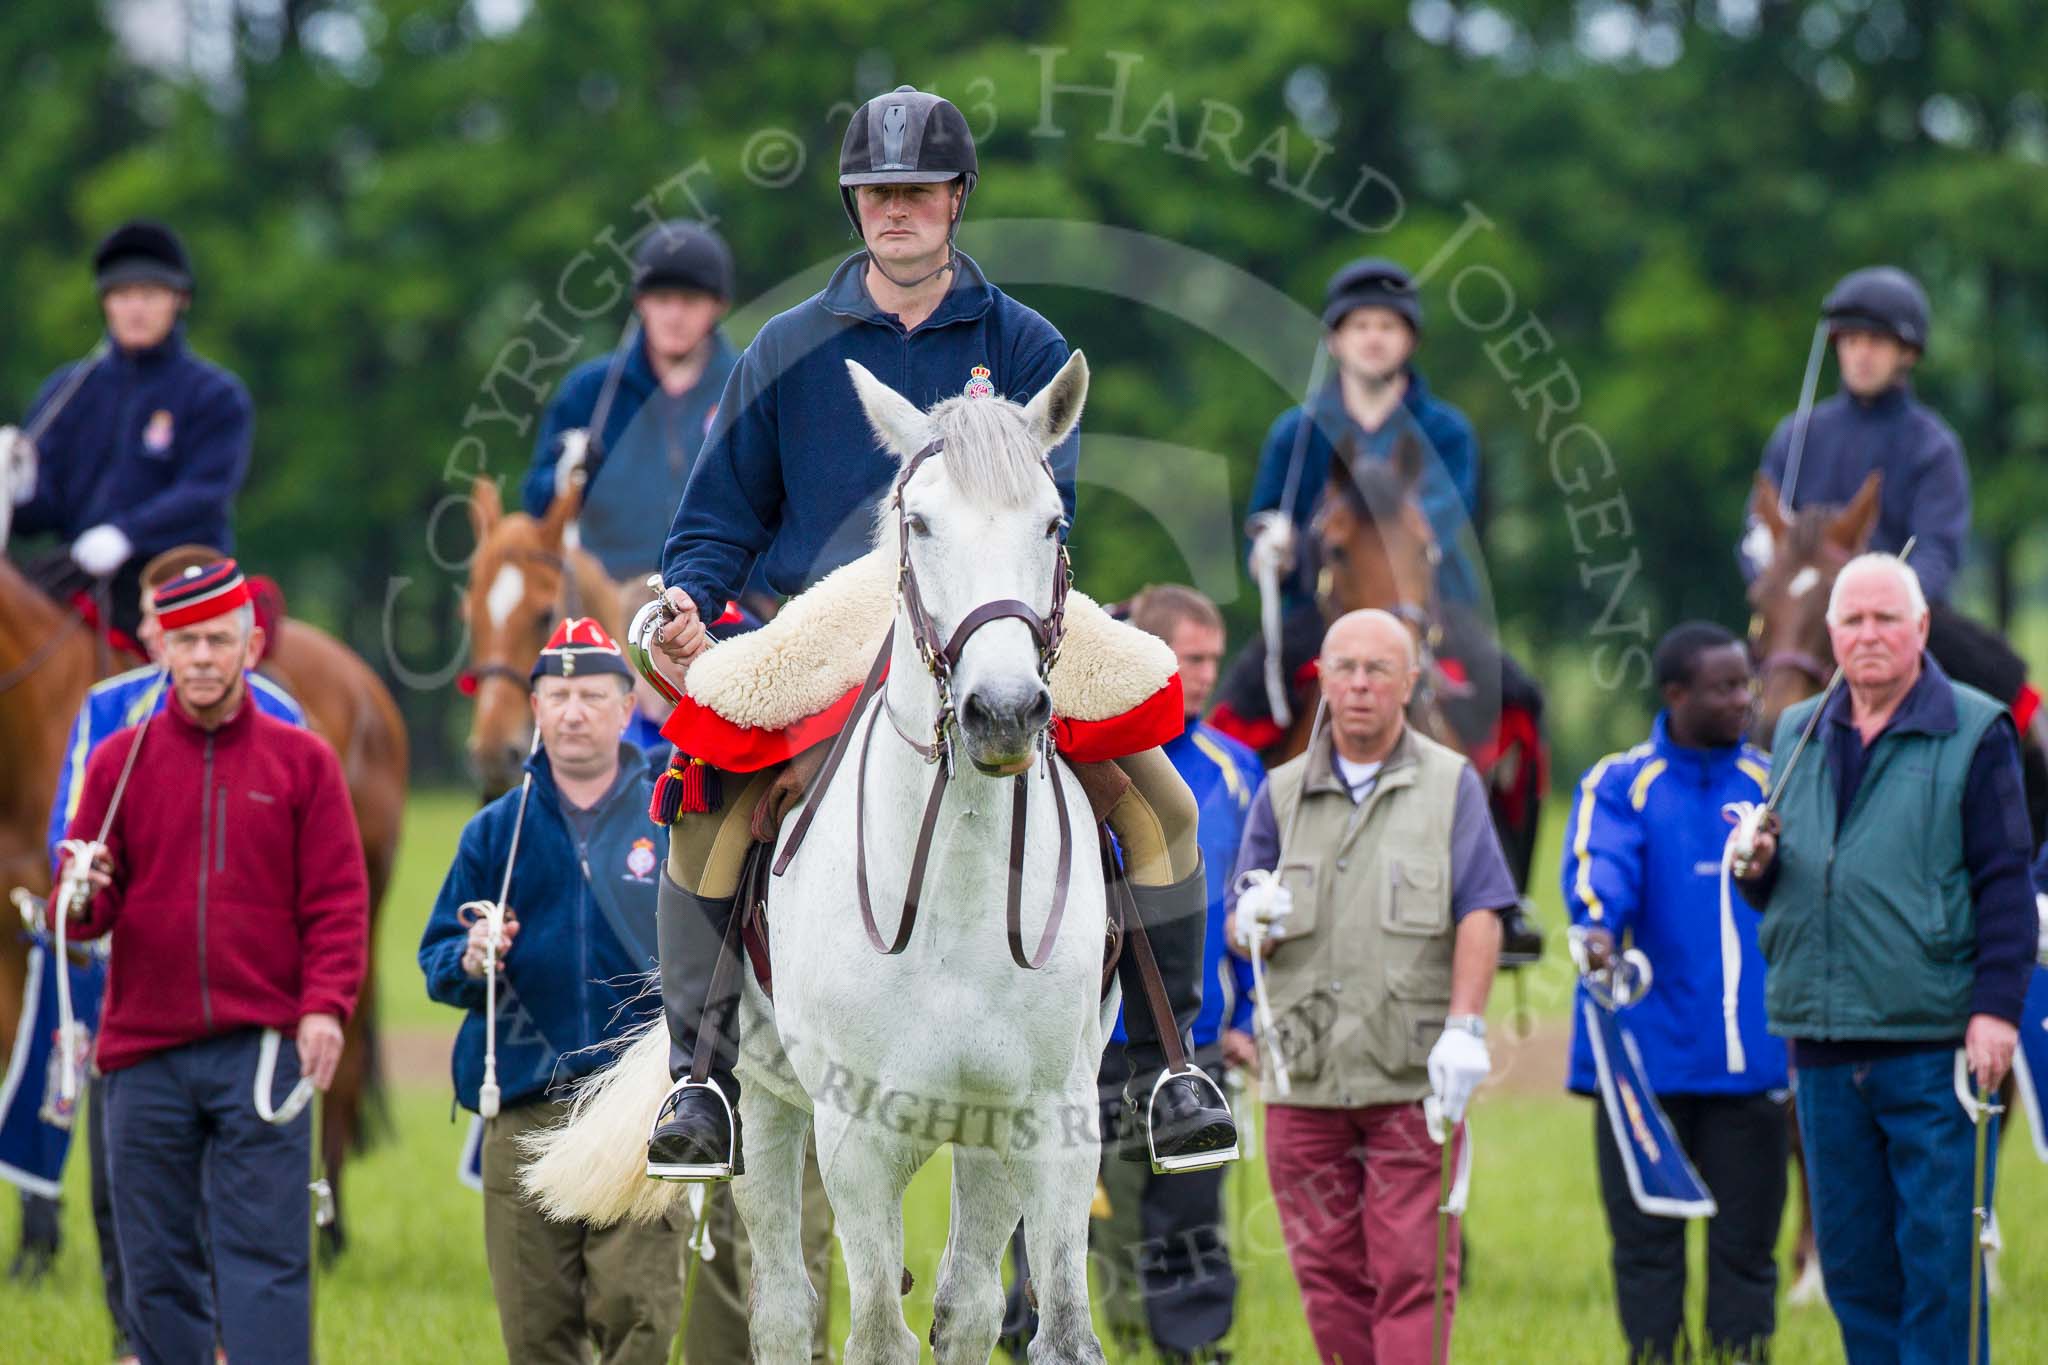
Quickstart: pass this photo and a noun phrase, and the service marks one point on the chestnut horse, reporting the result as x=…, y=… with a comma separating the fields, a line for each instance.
x=1375, y=548
x=48, y=662
x=526, y=575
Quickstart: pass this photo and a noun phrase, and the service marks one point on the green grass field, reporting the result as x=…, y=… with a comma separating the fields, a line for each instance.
x=413, y=1285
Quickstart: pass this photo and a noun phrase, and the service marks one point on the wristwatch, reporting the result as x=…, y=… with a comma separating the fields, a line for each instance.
x=1474, y=1024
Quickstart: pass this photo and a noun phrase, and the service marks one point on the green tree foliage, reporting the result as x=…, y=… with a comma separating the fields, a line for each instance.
x=400, y=210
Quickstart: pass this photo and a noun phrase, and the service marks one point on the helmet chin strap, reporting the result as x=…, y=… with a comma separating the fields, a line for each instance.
x=941, y=269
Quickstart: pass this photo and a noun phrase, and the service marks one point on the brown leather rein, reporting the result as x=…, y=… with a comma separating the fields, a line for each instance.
x=941, y=656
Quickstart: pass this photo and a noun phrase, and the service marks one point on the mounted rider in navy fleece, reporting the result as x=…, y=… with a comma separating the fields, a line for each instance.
x=139, y=450
x=1926, y=488
x=787, y=456
x=644, y=438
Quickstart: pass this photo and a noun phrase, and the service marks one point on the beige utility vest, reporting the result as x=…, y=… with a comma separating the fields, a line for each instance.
x=1362, y=982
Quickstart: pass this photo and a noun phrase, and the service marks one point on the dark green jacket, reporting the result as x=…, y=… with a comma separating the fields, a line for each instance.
x=1870, y=930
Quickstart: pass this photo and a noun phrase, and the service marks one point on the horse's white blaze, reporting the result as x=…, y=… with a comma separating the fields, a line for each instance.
x=1803, y=581
x=508, y=590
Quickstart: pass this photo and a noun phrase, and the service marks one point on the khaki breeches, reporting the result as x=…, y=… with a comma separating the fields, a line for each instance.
x=1154, y=823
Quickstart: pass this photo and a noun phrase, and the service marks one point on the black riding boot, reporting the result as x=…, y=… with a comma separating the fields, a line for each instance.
x=1189, y=1123
x=697, y=1133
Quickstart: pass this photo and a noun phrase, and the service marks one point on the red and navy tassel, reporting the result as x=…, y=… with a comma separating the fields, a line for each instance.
x=689, y=787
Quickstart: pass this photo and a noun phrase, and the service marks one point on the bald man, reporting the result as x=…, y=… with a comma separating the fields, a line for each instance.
x=1380, y=858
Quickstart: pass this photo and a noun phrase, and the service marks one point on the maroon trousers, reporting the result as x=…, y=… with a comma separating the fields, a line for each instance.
x=1357, y=1191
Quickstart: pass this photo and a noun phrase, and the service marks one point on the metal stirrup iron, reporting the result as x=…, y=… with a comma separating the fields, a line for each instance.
x=723, y=986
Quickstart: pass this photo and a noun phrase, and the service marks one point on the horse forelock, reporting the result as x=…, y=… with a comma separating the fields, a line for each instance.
x=991, y=455
x=990, y=458
x=1377, y=494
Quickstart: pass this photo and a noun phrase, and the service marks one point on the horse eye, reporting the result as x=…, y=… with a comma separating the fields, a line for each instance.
x=918, y=526
x=1054, y=527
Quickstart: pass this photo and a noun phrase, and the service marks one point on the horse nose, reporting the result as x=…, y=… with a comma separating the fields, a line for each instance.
x=1025, y=713
x=1038, y=711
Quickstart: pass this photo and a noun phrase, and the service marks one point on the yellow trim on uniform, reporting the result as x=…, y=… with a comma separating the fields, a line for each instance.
x=1639, y=790
x=1583, y=834
x=1757, y=772
x=1221, y=759
x=74, y=764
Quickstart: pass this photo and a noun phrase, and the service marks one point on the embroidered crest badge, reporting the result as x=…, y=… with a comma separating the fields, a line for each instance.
x=640, y=861
x=156, y=437
x=978, y=385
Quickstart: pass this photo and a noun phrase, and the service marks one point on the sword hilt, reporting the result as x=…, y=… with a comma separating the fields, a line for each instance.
x=647, y=621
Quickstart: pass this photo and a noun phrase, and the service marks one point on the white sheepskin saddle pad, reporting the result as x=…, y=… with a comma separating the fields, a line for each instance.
x=820, y=645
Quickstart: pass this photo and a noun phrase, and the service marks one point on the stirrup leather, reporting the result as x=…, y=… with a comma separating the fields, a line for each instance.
x=1187, y=1161
x=693, y=1172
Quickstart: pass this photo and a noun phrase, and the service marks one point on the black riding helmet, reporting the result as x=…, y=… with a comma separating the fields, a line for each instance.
x=906, y=137
x=141, y=251
x=1372, y=283
x=684, y=255
x=1880, y=298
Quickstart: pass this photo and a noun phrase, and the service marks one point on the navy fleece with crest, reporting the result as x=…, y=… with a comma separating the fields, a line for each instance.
x=578, y=974
x=1926, y=484
x=154, y=441
x=791, y=471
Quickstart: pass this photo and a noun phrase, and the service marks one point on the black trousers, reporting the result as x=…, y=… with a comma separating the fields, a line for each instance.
x=1738, y=1145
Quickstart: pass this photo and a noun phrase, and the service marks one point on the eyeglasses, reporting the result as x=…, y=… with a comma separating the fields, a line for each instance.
x=1374, y=670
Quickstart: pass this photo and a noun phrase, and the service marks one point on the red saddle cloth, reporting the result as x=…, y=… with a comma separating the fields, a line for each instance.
x=703, y=734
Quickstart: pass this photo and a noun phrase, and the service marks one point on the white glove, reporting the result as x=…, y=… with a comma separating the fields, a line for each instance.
x=1272, y=543
x=1457, y=1064
x=17, y=465
x=2041, y=914
x=102, y=550
x=1266, y=903
x=570, y=465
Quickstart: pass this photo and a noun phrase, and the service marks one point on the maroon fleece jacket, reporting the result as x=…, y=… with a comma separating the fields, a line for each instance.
x=239, y=896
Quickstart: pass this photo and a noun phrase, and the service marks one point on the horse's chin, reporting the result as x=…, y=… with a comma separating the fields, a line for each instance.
x=997, y=765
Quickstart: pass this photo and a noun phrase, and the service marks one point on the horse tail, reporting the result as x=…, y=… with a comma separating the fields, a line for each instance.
x=592, y=1166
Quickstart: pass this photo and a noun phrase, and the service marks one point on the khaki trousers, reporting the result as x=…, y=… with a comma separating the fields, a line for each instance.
x=564, y=1287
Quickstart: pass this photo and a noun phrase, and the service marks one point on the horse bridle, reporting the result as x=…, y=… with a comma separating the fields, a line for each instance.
x=1799, y=661
x=568, y=600
x=940, y=656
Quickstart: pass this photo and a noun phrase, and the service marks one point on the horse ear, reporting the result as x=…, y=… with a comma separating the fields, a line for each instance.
x=1056, y=409
x=1408, y=460
x=1342, y=456
x=485, y=507
x=898, y=424
x=1849, y=529
x=1765, y=503
x=561, y=512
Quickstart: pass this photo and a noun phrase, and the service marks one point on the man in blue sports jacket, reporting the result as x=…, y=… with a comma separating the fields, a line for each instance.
x=32, y=1152
x=788, y=480
x=1642, y=864
x=1377, y=395
x=1877, y=321
x=578, y=945
x=646, y=406
x=1166, y=1237
x=142, y=445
